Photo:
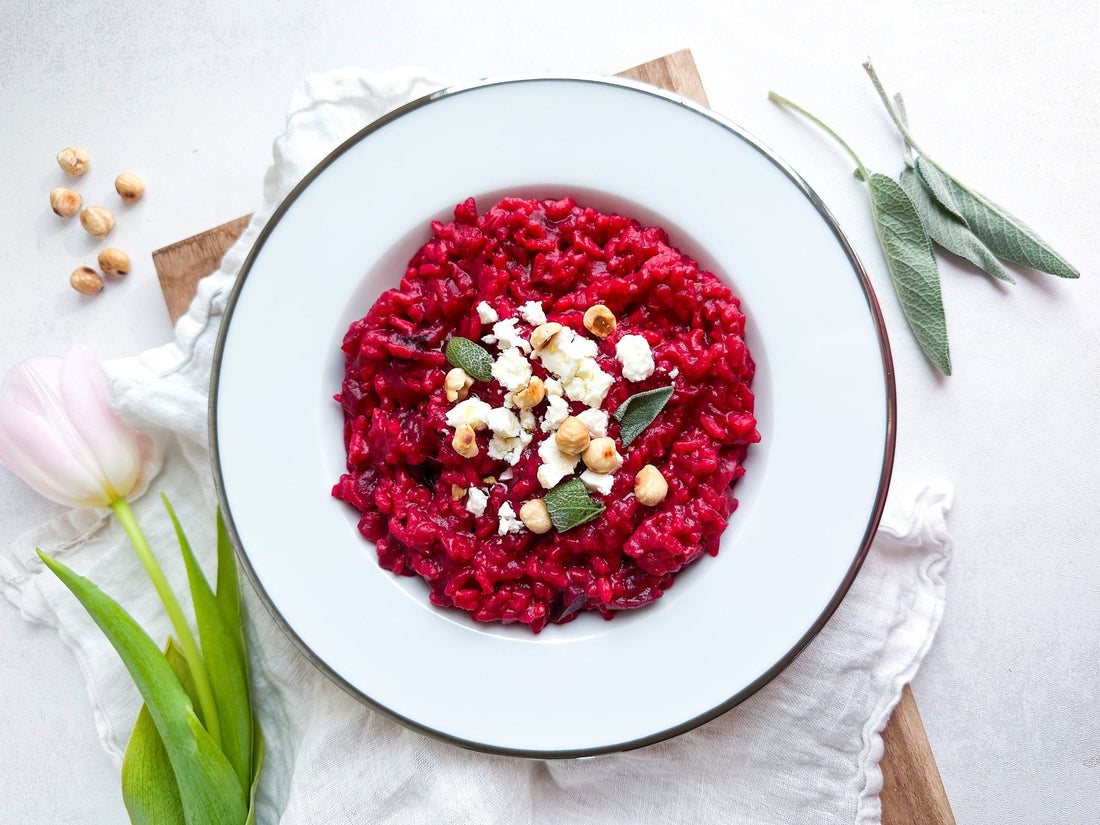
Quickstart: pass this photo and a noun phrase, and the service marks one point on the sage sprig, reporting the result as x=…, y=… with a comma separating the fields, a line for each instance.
x=570, y=505
x=638, y=412
x=907, y=250
x=1003, y=234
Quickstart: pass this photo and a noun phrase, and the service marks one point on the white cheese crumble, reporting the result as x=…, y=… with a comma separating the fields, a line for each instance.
x=553, y=386
x=486, y=313
x=589, y=385
x=597, y=482
x=527, y=419
x=472, y=411
x=556, y=412
x=506, y=336
x=512, y=369
x=596, y=421
x=556, y=465
x=508, y=521
x=636, y=357
x=532, y=313
x=672, y=373
x=476, y=500
x=507, y=475
x=573, y=360
x=503, y=422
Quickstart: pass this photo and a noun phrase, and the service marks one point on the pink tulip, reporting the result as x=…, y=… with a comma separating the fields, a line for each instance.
x=59, y=433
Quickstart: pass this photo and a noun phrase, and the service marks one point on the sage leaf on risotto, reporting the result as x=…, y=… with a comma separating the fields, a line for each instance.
x=471, y=357
x=570, y=505
x=639, y=411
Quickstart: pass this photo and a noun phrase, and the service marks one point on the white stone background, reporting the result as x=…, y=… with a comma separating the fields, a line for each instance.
x=190, y=95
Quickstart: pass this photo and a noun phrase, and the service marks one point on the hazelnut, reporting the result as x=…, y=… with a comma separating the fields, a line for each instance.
x=573, y=437
x=114, y=261
x=542, y=334
x=98, y=220
x=73, y=161
x=457, y=493
x=129, y=187
x=599, y=321
x=535, y=516
x=65, y=202
x=86, y=281
x=465, y=441
x=457, y=384
x=530, y=396
x=601, y=456
x=650, y=487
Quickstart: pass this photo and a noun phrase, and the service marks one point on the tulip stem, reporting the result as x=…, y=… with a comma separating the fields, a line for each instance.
x=186, y=638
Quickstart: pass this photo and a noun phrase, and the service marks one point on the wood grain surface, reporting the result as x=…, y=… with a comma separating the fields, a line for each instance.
x=912, y=792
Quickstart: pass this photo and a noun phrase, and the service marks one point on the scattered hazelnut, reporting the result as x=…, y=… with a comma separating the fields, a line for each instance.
x=530, y=396
x=601, y=456
x=129, y=187
x=535, y=516
x=457, y=384
x=98, y=220
x=457, y=493
x=114, y=261
x=599, y=321
x=542, y=334
x=572, y=436
x=465, y=441
x=73, y=161
x=65, y=202
x=86, y=281
x=650, y=487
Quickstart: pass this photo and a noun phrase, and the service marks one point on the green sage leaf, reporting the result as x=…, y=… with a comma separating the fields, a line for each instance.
x=570, y=505
x=949, y=231
x=639, y=411
x=472, y=357
x=223, y=652
x=208, y=786
x=149, y=789
x=912, y=266
x=1006, y=235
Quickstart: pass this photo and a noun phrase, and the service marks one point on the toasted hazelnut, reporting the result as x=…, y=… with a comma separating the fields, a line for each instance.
x=98, y=220
x=465, y=441
x=73, y=161
x=65, y=202
x=457, y=384
x=601, y=456
x=599, y=321
x=114, y=261
x=650, y=487
x=535, y=516
x=542, y=334
x=457, y=493
x=572, y=436
x=129, y=187
x=86, y=281
x=529, y=396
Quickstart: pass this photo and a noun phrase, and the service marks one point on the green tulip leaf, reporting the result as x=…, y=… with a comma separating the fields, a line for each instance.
x=208, y=786
x=259, y=749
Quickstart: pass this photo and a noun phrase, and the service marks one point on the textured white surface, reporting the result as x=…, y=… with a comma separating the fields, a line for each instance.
x=190, y=98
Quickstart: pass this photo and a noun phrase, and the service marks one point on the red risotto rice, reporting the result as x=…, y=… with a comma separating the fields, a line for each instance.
x=452, y=519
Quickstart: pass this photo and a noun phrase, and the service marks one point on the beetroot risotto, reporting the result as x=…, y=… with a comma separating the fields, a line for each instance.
x=548, y=415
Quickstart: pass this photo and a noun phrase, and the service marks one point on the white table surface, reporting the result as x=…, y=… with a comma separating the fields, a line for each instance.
x=1005, y=95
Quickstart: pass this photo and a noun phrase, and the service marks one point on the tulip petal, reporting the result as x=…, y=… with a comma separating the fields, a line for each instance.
x=85, y=400
x=18, y=387
x=31, y=449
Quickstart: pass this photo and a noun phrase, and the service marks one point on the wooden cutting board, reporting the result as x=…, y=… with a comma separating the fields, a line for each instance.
x=912, y=793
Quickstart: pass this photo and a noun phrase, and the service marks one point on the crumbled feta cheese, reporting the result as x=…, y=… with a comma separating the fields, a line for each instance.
x=672, y=373
x=527, y=419
x=509, y=448
x=503, y=423
x=532, y=313
x=476, y=500
x=512, y=369
x=597, y=482
x=589, y=385
x=472, y=411
x=636, y=357
x=556, y=465
x=553, y=386
x=507, y=475
x=506, y=335
x=556, y=412
x=486, y=313
x=572, y=359
x=595, y=420
x=508, y=521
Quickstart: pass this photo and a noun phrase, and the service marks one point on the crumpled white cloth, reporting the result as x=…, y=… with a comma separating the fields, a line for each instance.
x=804, y=749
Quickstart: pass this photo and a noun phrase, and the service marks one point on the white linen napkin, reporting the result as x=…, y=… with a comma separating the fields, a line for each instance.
x=804, y=749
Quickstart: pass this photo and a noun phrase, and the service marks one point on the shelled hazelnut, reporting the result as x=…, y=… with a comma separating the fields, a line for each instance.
x=65, y=202
x=601, y=456
x=599, y=321
x=457, y=384
x=542, y=334
x=73, y=161
x=535, y=516
x=465, y=441
x=114, y=261
x=572, y=436
x=86, y=281
x=97, y=220
x=530, y=395
x=129, y=187
x=650, y=487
